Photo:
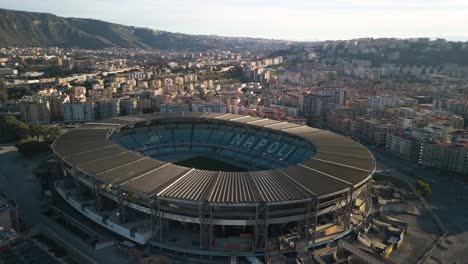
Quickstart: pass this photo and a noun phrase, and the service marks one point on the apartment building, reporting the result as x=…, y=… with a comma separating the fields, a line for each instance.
x=78, y=112
x=35, y=112
x=446, y=156
x=403, y=146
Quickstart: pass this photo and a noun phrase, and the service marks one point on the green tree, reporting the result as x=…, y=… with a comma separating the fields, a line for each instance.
x=30, y=147
x=3, y=91
x=13, y=129
x=18, y=92
x=45, y=132
x=53, y=133
x=22, y=130
x=423, y=188
x=38, y=131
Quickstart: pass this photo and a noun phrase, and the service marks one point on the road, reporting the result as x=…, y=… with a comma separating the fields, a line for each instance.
x=18, y=181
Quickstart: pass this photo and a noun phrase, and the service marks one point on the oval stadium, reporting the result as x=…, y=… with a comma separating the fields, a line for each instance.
x=210, y=185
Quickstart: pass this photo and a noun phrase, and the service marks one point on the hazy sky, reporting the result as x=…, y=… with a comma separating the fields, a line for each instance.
x=281, y=19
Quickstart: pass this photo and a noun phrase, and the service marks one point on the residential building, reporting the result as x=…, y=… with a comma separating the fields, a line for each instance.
x=209, y=107
x=179, y=80
x=375, y=132
x=190, y=78
x=145, y=105
x=78, y=112
x=78, y=94
x=128, y=106
x=458, y=136
x=446, y=156
x=168, y=81
x=37, y=112
x=9, y=218
x=56, y=106
x=315, y=105
x=107, y=109
x=403, y=146
x=174, y=107
x=376, y=104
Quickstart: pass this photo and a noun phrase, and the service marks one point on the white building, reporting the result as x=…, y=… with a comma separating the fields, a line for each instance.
x=209, y=107
x=376, y=104
x=452, y=157
x=403, y=146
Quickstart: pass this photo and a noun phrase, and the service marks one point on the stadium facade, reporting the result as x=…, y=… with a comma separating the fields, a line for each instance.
x=296, y=185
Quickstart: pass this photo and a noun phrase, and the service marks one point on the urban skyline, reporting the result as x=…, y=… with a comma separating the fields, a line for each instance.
x=300, y=20
x=128, y=144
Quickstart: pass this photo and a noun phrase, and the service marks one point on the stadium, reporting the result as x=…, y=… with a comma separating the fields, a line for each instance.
x=215, y=185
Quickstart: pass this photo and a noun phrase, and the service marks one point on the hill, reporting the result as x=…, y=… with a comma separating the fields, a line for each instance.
x=21, y=29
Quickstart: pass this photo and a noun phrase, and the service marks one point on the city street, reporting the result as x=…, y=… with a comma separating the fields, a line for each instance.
x=18, y=181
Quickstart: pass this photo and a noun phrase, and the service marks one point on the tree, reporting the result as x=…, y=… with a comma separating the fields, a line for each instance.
x=53, y=133
x=22, y=130
x=45, y=132
x=30, y=147
x=18, y=92
x=3, y=91
x=13, y=129
x=38, y=131
x=423, y=188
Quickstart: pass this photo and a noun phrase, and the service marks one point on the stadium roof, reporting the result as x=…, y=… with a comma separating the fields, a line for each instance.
x=338, y=165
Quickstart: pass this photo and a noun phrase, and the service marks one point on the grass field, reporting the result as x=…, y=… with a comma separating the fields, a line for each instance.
x=204, y=163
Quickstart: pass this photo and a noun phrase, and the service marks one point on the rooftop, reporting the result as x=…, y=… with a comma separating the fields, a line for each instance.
x=338, y=165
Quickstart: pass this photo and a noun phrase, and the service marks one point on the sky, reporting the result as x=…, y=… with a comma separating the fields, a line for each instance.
x=305, y=20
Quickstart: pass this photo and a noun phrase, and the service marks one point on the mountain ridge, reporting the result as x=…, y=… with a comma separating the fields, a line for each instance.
x=26, y=29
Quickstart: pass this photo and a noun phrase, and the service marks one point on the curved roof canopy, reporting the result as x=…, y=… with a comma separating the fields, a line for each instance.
x=338, y=165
